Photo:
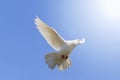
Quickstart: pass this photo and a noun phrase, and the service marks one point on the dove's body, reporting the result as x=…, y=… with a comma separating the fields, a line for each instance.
x=63, y=47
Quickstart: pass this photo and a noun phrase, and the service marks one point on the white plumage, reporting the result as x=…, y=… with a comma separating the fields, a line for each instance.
x=60, y=57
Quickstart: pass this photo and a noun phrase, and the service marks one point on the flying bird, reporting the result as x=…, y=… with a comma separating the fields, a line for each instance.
x=63, y=48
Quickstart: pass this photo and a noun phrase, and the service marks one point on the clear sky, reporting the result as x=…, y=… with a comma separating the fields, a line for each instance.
x=22, y=48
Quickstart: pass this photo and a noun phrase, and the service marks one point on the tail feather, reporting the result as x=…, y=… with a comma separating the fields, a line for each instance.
x=51, y=60
x=65, y=64
x=54, y=59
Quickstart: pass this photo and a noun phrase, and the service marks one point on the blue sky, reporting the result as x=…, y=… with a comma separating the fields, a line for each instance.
x=22, y=48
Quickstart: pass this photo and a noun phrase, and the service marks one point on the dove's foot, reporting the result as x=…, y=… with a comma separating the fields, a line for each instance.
x=64, y=57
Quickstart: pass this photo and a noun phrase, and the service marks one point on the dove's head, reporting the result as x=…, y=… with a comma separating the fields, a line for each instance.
x=78, y=41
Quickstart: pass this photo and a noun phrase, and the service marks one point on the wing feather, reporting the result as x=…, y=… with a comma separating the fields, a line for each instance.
x=51, y=36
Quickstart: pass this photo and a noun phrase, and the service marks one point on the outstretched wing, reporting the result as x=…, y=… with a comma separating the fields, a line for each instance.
x=52, y=37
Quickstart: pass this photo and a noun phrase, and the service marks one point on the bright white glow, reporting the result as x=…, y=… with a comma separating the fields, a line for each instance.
x=112, y=7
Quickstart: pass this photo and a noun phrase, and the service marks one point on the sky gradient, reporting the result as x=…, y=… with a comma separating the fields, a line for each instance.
x=22, y=48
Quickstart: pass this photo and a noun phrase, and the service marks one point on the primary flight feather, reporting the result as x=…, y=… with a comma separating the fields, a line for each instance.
x=60, y=57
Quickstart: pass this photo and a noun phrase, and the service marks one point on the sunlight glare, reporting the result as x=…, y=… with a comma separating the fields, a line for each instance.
x=112, y=7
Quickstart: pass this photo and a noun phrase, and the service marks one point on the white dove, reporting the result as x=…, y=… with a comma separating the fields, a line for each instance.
x=60, y=57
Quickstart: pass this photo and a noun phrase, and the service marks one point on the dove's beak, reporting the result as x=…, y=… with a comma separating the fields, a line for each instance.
x=82, y=41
